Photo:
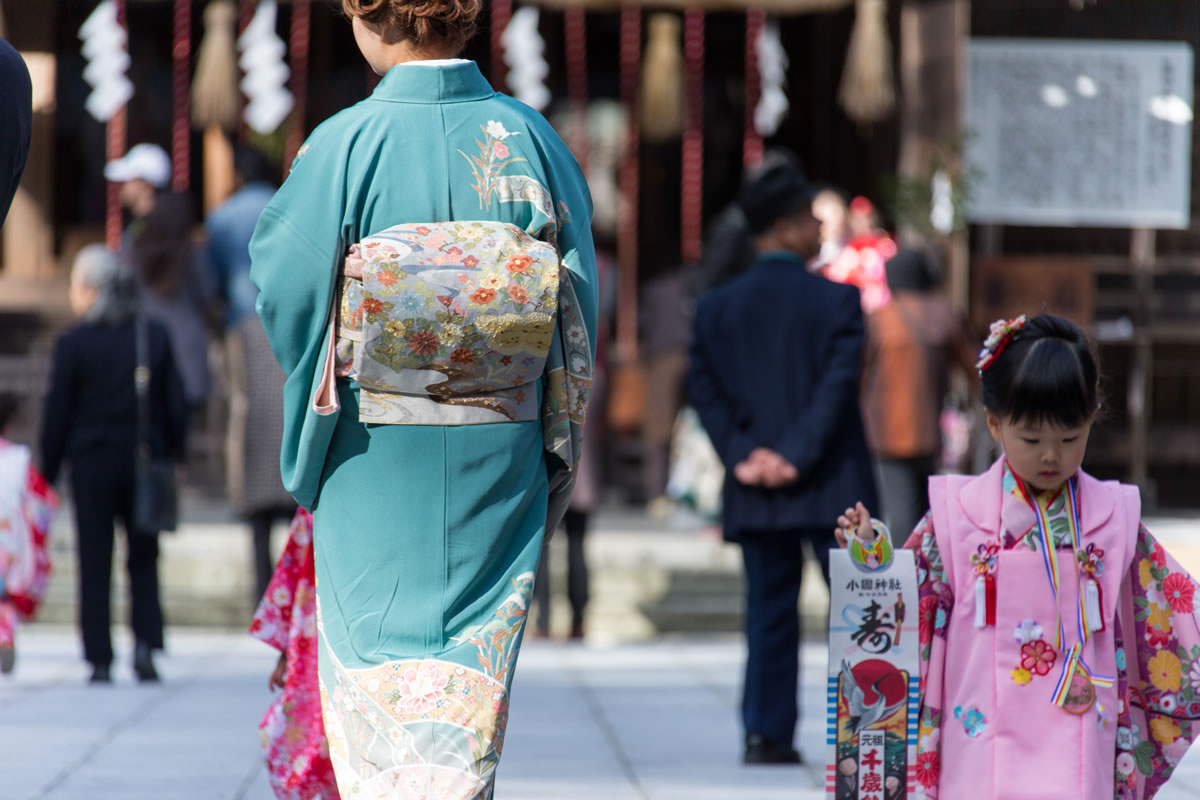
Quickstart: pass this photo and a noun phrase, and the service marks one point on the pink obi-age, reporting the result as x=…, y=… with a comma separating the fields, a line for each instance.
x=1000, y=716
x=292, y=733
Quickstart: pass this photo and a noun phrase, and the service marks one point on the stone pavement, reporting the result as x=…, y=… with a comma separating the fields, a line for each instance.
x=644, y=721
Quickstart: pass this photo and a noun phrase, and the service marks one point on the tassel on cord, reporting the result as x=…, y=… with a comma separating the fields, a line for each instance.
x=1092, y=599
x=980, y=602
x=868, y=92
x=662, y=109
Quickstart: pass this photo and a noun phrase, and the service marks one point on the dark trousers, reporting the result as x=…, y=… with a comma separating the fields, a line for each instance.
x=103, y=493
x=575, y=523
x=261, y=521
x=904, y=492
x=774, y=565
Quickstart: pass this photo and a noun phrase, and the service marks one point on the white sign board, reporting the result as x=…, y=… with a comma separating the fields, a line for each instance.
x=1079, y=132
x=874, y=674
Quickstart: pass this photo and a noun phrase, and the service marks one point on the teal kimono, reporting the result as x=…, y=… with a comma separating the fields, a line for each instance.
x=458, y=367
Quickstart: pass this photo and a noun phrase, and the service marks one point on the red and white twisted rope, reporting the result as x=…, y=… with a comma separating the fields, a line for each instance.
x=298, y=38
x=116, y=149
x=752, y=144
x=692, y=182
x=181, y=57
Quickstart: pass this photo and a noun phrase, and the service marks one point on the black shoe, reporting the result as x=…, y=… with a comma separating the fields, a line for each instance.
x=760, y=750
x=143, y=664
x=100, y=674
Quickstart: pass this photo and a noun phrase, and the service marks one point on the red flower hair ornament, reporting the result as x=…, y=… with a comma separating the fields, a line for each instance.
x=1000, y=334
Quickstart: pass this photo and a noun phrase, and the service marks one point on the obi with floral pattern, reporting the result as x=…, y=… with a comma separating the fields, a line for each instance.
x=449, y=323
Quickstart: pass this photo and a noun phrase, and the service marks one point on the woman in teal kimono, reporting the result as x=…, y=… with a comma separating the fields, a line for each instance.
x=427, y=282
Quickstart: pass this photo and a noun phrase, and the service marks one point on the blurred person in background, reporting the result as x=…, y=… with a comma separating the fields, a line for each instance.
x=913, y=344
x=157, y=247
x=27, y=504
x=589, y=477
x=16, y=123
x=255, y=429
x=860, y=262
x=774, y=377
x=90, y=421
x=665, y=331
x=829, y=207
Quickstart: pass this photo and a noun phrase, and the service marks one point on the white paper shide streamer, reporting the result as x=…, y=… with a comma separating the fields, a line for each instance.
x=265, y=83
x=527, y=69
x=772, y=69
x=104, y=48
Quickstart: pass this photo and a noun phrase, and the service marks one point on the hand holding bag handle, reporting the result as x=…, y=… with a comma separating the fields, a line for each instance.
x=155, y=498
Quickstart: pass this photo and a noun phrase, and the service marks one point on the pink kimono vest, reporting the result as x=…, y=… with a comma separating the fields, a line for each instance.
x=1024, y=747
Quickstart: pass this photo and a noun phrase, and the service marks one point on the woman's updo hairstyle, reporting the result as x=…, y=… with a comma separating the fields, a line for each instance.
x=423, y=22
x=1046, y=373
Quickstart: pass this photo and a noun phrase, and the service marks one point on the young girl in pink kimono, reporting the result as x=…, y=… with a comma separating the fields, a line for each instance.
x=292, y=733
x=27, y=504
x=1060, y=645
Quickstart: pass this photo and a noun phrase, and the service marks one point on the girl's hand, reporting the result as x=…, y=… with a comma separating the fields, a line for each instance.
x=278, y=677
x=850, y=522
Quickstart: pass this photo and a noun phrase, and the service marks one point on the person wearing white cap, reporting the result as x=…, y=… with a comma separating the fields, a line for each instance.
x=157, y=248
x=142, y=172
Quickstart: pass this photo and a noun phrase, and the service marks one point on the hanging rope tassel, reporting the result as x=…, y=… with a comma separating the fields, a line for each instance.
x=663, y=112
x=868, y=92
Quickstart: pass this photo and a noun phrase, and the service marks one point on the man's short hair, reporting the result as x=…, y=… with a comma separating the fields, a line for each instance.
x=777, y=193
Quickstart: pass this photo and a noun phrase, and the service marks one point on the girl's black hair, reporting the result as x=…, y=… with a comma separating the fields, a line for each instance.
x=1046, y=374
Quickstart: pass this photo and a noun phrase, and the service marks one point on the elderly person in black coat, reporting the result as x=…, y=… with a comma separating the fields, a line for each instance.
x=90, y=422
x=774, y=376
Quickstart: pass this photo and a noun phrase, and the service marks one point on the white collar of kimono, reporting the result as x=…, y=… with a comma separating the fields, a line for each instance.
x=437, y=62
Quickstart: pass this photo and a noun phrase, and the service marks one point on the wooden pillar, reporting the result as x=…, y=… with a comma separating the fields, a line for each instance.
x=29, y=228
x=933, y=38
x=1141, y=373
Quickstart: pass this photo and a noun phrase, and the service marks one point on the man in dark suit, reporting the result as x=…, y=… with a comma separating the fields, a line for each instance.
x=16, y=123
x=774, y=375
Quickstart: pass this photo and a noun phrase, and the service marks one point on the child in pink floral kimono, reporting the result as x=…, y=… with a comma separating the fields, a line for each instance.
x=292, y=734
x=1060, y=645
x=27, y=504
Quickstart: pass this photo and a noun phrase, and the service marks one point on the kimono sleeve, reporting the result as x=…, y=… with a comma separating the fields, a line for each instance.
x=1158, y=658
x=295, y=253
x=273, y=620
x=936, y=601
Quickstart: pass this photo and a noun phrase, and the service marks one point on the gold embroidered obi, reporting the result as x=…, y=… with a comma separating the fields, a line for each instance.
x=448, y=323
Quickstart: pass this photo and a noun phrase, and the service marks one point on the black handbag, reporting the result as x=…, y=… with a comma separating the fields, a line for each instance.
x=155, y=496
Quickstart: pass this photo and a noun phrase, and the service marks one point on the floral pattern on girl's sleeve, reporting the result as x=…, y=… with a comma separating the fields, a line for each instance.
x=933, y=592
x=273, y=619
x=1162, y=684
x=936, y=600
